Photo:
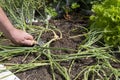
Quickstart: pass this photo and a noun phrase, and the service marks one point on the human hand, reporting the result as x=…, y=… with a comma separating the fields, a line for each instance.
x=20, y=37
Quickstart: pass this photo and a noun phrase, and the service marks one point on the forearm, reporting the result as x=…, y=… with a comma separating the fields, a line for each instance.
x=15, y=35
x=5, y=24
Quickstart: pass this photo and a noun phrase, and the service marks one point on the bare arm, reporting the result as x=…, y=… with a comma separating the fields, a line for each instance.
x=15, y=35
x=5, y=24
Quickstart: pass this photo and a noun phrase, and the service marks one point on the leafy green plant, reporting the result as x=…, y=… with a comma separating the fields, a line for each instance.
x=75, y=5
x=107, y=20
x=51, y=11
x=66, y=7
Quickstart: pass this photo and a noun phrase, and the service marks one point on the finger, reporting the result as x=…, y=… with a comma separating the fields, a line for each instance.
x=28, y=42
x=29, y=37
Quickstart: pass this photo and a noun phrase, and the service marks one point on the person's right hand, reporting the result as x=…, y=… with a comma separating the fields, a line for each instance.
x=20, y=37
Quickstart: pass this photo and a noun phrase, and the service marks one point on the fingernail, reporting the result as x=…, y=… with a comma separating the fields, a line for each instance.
x=35, y=42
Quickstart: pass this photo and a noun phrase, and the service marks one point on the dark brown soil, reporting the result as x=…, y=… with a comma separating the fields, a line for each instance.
x=69, y=29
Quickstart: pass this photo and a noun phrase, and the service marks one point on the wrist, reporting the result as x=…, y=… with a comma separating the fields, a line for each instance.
x=9, y=30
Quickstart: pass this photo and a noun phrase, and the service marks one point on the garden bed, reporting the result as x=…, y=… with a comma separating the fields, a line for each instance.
x=73, y=36
x=71, y=39
x=70, y=47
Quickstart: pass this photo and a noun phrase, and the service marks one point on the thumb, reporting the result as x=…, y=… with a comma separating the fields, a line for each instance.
x=28, y=42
